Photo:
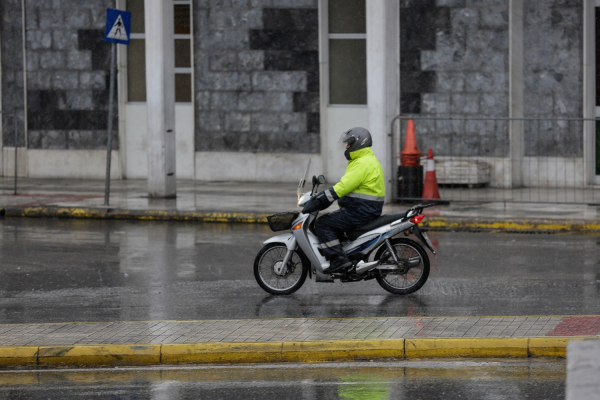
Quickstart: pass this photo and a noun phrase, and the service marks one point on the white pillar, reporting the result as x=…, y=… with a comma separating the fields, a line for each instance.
x=160, y=97
x=589, y=90
x=516, y=92
x=383, y=86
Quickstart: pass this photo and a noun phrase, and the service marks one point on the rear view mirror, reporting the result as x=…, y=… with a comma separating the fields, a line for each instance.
x=321, y=179
x=315, y=180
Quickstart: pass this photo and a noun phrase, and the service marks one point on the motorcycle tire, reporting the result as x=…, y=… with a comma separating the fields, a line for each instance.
x=270, y=275
x=410, y=252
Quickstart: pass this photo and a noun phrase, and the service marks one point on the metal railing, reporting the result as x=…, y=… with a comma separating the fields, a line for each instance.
x=498, y=159
x=5, y=182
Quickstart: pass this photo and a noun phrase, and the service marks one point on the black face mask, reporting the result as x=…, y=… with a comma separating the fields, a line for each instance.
x=347, y=154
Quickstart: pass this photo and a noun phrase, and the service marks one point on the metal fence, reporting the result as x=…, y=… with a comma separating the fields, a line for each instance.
x=479, y=159
x=9, y=183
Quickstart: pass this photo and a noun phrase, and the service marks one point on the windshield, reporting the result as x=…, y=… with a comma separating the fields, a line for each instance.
x=303, y=180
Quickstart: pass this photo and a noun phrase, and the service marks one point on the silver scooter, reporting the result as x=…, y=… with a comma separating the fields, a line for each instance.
x=400, y=265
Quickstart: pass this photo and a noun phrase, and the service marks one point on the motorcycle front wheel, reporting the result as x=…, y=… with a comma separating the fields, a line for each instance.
x=273, y=276
x=414, y=267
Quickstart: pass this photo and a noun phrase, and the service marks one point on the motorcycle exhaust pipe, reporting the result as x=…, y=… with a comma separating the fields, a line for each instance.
x=362, y=266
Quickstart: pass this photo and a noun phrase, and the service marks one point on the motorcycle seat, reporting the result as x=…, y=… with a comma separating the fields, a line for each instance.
x=376, y=223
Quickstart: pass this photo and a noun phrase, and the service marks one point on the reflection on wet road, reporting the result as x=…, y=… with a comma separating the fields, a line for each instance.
x=85, y=270
x=363, y=380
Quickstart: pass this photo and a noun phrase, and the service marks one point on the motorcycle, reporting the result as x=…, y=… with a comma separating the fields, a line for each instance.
x=400, y=265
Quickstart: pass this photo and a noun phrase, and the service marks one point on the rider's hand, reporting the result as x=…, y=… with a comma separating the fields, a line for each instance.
x=317, y=203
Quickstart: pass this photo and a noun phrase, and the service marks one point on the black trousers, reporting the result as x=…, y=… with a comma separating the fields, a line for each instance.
x=331, y=226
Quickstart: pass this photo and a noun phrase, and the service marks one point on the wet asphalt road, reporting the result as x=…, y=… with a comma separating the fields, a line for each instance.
x=84, y=270
x=487, y=379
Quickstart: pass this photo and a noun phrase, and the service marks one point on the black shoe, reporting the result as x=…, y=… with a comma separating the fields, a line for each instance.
x=338, y=264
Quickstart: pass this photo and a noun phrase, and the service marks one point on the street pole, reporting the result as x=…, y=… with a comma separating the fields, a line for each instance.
x=111, y=98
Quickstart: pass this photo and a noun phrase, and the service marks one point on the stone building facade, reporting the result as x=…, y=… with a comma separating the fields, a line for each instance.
x=66, y=74
x=256, y=76
x=260, y=103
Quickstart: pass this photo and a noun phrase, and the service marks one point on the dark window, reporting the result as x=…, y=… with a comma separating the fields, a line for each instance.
x=136, y=53
x=347, y=16
x=347, y=52
x=347, y=71
x=136, y=70
x=182, y=19
x=136, y=7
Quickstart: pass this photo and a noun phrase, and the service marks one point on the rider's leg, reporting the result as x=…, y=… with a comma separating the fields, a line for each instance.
x=327, y=228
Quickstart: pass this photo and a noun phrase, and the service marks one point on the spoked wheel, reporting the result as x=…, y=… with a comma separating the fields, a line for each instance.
x=273, y=276
x=413, y=271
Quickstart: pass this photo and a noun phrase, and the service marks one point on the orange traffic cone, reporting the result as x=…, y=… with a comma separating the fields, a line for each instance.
x=410, y=156
x=430, y=188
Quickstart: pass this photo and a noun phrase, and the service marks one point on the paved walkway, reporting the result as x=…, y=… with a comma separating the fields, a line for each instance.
x=252, y=202
x=297, y=329
x=300, y=339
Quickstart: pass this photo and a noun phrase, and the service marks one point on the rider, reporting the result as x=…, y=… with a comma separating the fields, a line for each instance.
x=361, y=193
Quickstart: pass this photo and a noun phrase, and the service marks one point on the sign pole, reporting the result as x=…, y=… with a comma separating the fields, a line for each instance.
x=118, y=29
x=111, y=100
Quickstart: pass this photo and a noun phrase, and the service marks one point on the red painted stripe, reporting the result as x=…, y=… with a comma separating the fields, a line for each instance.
x=577, y=326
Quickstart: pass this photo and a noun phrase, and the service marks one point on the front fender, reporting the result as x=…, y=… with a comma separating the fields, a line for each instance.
x=290, y=242
x=286, y=238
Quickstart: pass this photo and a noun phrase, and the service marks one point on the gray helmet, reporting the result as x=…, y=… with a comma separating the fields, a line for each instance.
x=358, y=138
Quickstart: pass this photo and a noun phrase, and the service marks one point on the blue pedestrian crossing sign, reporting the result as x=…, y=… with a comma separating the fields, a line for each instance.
x=118, y=26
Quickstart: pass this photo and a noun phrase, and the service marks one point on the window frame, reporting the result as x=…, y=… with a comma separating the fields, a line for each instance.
x=189, y=70
x=338, y=36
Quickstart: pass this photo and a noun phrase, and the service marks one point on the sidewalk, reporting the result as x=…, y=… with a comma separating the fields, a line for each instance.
x=291, y=340
x=252, y=202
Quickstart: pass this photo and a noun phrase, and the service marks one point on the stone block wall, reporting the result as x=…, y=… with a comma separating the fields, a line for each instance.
x=553, y=42
x=454, y=61
x=11, y=48
x=67, y=74
x=256, y=76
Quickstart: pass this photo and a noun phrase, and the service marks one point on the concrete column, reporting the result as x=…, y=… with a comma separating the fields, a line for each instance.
x=583, y=368
x=122, y=100
x=589, y=91
x=383, y=87
x=160, y=98
x=1, y=116
x=516, y=92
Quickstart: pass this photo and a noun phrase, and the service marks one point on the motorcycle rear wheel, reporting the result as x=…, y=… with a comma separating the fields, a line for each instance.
x=289, y=279
x=412, y=254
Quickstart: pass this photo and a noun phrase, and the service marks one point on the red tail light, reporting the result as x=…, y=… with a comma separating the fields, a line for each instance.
x=417, y=218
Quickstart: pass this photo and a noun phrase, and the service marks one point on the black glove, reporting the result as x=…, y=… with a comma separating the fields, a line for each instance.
x=317, y=203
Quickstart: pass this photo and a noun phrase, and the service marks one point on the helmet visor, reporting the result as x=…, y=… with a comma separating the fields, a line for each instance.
x=347, y=137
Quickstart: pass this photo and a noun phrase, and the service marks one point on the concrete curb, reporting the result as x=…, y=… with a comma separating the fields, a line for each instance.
x=511, y=225
x=433, y=223
x=149, y=215
x=264, y=352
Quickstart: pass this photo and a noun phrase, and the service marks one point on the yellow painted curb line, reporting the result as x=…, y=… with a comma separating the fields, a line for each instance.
x=555, y=347
x=88, y=355
x=212, y=353
x=511, y=225
x=148, y=215
x=434, y=223
x=466, y=347
x=342, y=350
x=18, y=356
x=264, y=352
